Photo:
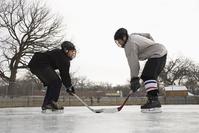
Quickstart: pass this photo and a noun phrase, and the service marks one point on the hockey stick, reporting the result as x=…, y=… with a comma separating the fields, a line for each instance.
x=95, y=111
x=111, y=110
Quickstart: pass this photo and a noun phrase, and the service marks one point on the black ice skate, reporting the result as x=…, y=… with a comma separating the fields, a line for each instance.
x=43, y=107
x=153, y=105
x=52, y=107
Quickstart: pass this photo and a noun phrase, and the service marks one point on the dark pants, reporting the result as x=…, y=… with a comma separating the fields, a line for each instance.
x=50, y=79
x=153, y=68
x=53, y=91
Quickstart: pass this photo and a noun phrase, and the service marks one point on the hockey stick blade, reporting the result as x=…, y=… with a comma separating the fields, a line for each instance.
x=114, y=110
x=96, y=110
x=110, y=110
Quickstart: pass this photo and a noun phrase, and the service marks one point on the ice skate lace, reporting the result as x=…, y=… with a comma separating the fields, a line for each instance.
x=149, y=100
x=55, y=104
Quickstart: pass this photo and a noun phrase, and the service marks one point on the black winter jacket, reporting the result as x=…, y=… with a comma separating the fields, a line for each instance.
x=57, y=59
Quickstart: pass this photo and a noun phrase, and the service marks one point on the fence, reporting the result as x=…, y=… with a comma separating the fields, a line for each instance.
x=37, y=89
x=20, y=88
x=29, y=101
x=32, y=95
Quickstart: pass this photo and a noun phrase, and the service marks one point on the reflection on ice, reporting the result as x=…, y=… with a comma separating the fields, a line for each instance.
x=174, y=118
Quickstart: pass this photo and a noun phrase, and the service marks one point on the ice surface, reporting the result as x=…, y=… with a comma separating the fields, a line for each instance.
x=173, y=119
x=151, y=110
x=110, y=110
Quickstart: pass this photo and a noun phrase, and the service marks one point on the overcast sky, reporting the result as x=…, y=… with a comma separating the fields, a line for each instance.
x=92, y=24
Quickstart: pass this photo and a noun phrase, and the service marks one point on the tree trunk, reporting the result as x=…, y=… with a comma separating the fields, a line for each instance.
x=12, y=89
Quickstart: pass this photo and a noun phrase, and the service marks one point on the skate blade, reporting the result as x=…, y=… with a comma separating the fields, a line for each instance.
x=151, y=110
x=49, y=111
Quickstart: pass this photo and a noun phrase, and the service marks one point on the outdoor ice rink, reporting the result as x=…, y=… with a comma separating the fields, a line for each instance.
x=173, y=119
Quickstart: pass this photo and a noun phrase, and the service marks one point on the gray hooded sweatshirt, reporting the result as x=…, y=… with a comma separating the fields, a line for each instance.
x=141, y=46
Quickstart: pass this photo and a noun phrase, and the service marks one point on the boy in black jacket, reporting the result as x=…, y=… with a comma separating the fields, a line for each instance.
x=43, y=65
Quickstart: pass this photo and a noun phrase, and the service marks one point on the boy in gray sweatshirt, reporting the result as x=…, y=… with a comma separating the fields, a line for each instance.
x=138, y=47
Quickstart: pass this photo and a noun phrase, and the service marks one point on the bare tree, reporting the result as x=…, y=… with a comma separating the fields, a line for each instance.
x=29, y=77
x=25, y=28
x=175, y=71
x=82, y=83
x=192, y=79
x=180, y=71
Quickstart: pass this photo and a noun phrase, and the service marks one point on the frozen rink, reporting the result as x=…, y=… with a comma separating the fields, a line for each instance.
x=173, y=119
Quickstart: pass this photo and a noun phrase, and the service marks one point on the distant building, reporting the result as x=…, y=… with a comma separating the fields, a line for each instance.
x=90, y=93
x=175, y=90
x=114, y=94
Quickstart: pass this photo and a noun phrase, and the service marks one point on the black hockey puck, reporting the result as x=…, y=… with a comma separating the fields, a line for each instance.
x=97, y=112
